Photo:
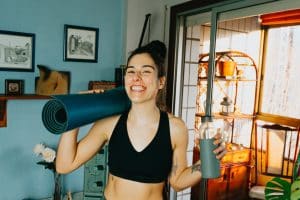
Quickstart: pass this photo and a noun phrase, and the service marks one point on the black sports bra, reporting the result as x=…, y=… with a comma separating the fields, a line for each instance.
x=151, y=165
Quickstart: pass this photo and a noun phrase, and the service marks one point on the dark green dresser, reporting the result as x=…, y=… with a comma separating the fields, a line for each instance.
x=95, y=176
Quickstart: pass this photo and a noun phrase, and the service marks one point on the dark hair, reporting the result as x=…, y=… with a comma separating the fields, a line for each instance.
x=157, y=50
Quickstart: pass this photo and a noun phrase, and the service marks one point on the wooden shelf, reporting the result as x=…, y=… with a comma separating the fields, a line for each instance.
x=230, y=116
x=228, y=79
x=24, y=96
x=3, y=104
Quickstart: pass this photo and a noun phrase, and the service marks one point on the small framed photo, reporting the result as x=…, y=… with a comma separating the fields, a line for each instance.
x=81, y=43
x=17, y=51
x=14, y=87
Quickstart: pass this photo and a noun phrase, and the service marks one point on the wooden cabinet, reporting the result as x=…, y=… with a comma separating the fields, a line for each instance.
x=238, y=182
x=216, y=188
x=233, y=182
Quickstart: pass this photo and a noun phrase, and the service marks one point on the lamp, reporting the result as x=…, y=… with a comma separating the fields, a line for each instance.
x=226, y=106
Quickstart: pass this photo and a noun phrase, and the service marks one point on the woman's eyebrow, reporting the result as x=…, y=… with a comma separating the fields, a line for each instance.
x=144, y=66
x=149, y=66
x=129, y=66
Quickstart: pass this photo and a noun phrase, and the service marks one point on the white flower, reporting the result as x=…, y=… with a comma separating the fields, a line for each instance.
x=48, y=154
x=38, y=149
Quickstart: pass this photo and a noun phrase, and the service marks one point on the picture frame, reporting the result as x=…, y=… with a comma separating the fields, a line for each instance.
x=14, y=87
x=80, y=43
x=17, y=51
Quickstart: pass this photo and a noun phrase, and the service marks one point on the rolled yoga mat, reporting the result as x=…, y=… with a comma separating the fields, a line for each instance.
x=66, y=112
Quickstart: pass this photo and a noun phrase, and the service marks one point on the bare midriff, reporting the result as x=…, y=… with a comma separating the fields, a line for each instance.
x=122, y=189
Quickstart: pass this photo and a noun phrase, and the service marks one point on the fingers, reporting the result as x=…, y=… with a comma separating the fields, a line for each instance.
x=218, y=141
x=220, y=151
x=221, y=155
x=218, y=136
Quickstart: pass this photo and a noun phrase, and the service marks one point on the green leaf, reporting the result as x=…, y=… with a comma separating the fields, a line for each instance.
x=278, y=189
x=295, y=189
x=295, y=195
x=296, y=170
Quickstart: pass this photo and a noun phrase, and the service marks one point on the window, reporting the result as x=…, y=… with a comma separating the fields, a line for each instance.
x=281, y=92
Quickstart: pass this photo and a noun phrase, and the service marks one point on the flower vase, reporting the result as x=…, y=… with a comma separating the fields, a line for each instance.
x=57, y=195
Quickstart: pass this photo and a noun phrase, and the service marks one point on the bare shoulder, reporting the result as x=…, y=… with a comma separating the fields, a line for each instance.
x=176, y=122
x=106, y=125
x=108, y=120
x=178, y=129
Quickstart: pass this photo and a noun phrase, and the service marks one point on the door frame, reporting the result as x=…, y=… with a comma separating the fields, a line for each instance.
x=177, y=16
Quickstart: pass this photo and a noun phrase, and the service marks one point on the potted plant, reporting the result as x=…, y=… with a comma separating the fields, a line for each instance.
x=48, y=155
x=281, y=189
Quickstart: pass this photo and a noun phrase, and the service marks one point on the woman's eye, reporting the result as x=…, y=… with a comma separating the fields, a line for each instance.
x=130, y=72
x=146, y=72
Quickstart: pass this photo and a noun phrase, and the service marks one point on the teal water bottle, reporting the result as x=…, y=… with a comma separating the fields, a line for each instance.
x=210, y=165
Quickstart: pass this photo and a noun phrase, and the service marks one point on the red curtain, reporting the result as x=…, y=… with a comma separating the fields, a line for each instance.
x=281, y=18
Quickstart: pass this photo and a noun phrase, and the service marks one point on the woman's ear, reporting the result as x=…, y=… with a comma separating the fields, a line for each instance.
x=162, y=81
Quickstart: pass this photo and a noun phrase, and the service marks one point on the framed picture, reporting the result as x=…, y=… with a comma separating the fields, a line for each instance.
x=81, y=44
x=14, y=87
x=17, y=51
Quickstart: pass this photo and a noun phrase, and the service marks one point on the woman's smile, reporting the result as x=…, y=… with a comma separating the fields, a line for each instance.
x=137, y=88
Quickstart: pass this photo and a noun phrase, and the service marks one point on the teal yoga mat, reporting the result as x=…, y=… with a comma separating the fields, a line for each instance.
x=66, y=112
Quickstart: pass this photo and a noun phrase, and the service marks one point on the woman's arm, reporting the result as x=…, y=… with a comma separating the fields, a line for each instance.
x=182, y=176
x=72, y=154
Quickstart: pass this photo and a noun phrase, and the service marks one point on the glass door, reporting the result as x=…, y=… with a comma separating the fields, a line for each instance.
x=218, y=65
x=195, y=31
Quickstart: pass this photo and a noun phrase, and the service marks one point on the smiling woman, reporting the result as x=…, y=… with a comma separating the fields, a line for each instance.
x=140, y=137
x=141, y=80
x=154, y=55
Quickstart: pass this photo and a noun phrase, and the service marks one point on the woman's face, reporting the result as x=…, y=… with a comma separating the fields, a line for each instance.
x=141, y=79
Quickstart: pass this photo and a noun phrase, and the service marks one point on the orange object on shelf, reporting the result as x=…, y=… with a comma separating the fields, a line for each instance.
x=227, y=68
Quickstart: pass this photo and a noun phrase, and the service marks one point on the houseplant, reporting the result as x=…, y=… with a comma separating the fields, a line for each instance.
x=48, y=156
x=281, y=189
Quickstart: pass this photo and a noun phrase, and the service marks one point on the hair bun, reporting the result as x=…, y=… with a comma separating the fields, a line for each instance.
x=158, y=47
x=157, y=51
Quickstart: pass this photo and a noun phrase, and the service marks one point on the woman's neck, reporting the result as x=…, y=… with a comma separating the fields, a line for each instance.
x=144, y=113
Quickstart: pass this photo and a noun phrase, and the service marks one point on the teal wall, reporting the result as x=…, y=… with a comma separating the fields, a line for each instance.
x=20, y=176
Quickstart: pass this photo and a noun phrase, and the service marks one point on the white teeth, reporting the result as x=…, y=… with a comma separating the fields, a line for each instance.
x=137, y=88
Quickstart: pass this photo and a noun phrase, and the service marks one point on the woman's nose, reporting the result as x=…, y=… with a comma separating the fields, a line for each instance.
x=137, y=75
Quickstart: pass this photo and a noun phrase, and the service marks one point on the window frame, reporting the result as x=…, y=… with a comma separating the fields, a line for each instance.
x=278, y=119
